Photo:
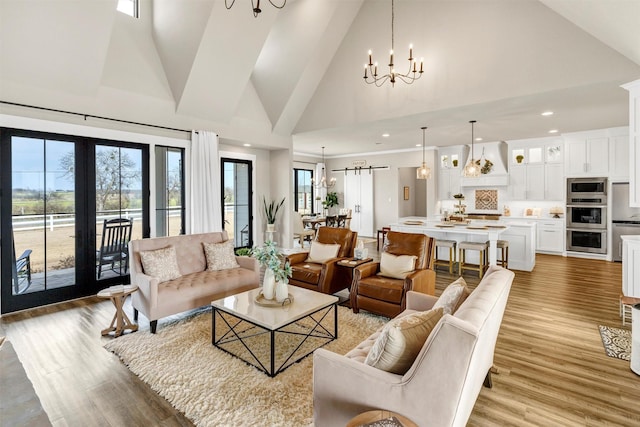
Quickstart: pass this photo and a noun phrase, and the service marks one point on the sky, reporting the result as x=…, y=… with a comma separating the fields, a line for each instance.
x=28, y=163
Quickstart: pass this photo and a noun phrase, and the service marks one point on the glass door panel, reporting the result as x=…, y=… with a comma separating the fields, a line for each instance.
x=119, y=203
x=169, y=191
x=236, y=205
x=43, y=214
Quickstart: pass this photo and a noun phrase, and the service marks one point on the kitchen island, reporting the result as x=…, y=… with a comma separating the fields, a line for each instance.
x=521, y=236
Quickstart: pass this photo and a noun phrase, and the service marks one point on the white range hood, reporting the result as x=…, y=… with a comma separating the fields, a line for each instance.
x=496, y=153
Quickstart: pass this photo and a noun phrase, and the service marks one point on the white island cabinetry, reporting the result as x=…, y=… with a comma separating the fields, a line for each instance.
x=521, y=235
x=631, y=266
x=634, y=142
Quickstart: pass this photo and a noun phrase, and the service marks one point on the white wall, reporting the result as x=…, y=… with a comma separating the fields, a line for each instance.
x=387, y=186
x=407, y=178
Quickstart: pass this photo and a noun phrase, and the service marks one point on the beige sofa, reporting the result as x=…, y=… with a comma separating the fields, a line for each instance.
x=441, y=387
x=196, y=287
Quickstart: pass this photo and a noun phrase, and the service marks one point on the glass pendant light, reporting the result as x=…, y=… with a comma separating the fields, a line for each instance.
x=471, y=169
x=423, y=172
x=323, y=182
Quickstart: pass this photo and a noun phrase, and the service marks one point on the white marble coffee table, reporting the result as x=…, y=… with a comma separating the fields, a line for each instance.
x=273, y=338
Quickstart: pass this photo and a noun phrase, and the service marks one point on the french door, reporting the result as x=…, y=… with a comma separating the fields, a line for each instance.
x=57, y=192
x=237, y=194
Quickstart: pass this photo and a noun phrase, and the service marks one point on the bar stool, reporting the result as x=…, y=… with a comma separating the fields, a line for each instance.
x=503, y=245
x=382, y=232
x=625, y=304
x=482, y=249
x=451, y=244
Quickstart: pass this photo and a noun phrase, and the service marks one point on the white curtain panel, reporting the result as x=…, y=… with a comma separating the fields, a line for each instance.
x=204, y=205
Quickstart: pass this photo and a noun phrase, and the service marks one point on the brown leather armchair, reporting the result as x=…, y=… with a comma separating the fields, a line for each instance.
x=327, y=277
x=387, y=296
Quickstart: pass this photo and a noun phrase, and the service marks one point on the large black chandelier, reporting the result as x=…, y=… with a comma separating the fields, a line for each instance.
x=371, y=75
x=255, y=6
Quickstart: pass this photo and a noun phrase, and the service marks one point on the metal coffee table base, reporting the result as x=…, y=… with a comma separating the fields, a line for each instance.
x=235, y=336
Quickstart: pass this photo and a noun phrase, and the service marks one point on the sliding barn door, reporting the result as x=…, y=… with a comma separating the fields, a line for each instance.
x=358, y=196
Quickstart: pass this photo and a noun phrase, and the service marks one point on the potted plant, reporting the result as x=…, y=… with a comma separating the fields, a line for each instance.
x=243, y=252
x=276, y=274
x=271, y=212
x=331, y=200
x=519, y=158
x=455, y=163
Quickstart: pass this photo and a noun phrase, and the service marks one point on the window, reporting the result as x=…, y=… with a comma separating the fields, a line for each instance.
x=303, y=190
x=170, y=208
x=130, y=7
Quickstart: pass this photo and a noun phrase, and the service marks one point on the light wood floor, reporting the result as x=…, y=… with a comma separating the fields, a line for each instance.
x=552, y=368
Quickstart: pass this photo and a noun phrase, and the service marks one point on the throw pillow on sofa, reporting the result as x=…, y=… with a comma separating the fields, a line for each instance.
x=400, y=341
x=453, y=296
x=161, y=264
x=322, y=252
x=397, y=266
x=220, y=256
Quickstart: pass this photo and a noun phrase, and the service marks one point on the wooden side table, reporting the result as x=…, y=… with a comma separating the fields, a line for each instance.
x=380, y=415
x=120, y=322
x=352, y=263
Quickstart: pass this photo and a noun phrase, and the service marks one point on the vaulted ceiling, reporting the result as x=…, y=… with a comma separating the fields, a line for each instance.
x=296, y=74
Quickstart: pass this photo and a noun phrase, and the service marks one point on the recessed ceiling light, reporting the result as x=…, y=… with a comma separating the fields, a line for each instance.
x=247, y=145
x=418, y=145
x=478, y=139
x=548, y=113
x=553, y=131
x=385, y=135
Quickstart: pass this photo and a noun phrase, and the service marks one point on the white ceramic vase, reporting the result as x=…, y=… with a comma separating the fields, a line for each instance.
x=268, y=284
x=271, y=228
x=282, y=291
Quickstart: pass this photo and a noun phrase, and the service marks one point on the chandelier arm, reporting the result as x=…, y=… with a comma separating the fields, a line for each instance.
x=378, y=81
x=406, y=79
x=382, y=80
x=275, y=5
x=227, y=5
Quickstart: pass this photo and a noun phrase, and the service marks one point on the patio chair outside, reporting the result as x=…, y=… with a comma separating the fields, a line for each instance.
x=114, y=252
x=21, y=273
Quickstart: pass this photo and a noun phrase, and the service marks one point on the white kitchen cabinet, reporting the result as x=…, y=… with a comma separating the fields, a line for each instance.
x=528, y=177
x=526, y=155
x=550, y=236
x=450, y=164
x=554, y=182
x=358, y=196
x=587, y=156
x=554, y=152
x=448, y=183
x=525, y=182
x=634, y=142
x=619, y=158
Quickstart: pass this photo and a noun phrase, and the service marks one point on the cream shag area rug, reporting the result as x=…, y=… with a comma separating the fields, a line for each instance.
x=213, y=388
x=616, y=342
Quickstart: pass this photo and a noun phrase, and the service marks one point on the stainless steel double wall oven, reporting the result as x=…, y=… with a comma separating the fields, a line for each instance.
x=587, y=215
